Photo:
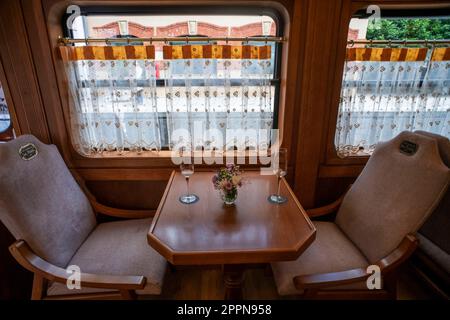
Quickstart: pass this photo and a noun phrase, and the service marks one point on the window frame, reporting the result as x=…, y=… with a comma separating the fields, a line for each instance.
x=199, y=10
x=330, y=157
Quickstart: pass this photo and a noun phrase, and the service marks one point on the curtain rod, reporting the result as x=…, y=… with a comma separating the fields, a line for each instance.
x=403, y=42
x=65, y=41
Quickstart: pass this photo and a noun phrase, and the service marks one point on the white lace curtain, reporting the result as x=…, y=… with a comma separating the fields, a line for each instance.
x=386, y=91
x=122, y=99
x=218, y=103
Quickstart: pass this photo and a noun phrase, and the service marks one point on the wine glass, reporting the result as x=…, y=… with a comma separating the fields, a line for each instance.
x=187, y=170
x=279, y=164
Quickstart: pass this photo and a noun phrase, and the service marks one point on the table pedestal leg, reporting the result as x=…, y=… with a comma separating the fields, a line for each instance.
x=233, y=276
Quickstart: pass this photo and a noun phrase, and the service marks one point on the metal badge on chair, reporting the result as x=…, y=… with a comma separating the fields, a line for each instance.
x=28, y=151
x=409, y=148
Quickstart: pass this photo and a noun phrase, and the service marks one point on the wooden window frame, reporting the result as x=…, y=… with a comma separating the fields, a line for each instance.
x=163, y=157
x=331, y=159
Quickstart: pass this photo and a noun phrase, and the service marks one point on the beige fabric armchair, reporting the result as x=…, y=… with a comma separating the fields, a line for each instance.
x=55, y=226
x=376, y=222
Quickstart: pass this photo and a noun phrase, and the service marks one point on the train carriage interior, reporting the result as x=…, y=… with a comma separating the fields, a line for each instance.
x=225, y=150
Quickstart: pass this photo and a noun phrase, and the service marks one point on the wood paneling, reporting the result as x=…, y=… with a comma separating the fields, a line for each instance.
x=128, y=194
x=330, y=189
x=313, y=102
x=20, y=73
x=35, y=24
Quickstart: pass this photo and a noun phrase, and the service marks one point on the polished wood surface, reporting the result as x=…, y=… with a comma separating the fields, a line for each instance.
x=207, y=232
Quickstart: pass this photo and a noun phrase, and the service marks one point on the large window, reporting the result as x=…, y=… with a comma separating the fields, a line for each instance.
x=143, y=104
x=396, y=78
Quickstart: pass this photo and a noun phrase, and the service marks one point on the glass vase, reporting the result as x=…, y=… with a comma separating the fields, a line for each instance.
x=229, y=198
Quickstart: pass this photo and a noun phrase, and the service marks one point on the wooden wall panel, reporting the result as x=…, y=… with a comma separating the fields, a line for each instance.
x=330, y=189
x=314, y=90
x=36, y=26
x=20, y=73
x=128, y=194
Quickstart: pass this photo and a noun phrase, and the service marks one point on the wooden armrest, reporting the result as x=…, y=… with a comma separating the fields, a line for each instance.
x=121, y=213
x=399, y=255
x=30, y=261
x=329, y=208
x=331, y=279
x=109, y=211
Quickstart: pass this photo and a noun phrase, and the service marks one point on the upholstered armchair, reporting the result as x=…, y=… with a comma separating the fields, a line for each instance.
x=375, y=224
x=54, y=223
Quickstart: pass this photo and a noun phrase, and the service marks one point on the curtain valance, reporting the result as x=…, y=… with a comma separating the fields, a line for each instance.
x=396, y=54
x=386, y=54
x=216, y=52
x=107, y=53
x=169, y=52
x=441, y=54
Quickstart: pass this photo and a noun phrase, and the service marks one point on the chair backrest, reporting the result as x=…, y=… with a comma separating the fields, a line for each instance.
x=40, y=202
x=443, y=145
x=398, y=189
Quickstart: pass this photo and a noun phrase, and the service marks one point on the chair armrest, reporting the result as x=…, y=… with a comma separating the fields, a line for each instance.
x=109, y=211
x=121, y=213
x=30, y=261
x=399, y=255
x=332, y=279
x=329, y=208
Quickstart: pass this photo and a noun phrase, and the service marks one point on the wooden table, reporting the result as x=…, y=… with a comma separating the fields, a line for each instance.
x=252, y=231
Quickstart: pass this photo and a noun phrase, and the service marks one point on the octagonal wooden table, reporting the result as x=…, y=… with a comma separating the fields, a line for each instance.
x=208, y=232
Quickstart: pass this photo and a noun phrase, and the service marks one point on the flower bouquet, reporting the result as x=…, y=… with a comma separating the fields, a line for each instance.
x=227, y=181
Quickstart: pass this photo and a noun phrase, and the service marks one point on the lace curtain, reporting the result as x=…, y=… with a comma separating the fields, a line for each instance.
x=113, y=105
x=222, y=101
x=122, y=99
x=389, y=90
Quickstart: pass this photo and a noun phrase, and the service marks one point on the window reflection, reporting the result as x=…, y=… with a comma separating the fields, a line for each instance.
x=6, y=132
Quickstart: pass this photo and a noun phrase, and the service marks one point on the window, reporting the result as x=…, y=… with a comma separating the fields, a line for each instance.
x=396, y=78
x=6, y=132
x=143, y=104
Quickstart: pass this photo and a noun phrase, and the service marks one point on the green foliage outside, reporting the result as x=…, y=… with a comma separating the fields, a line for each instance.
x=409, y=29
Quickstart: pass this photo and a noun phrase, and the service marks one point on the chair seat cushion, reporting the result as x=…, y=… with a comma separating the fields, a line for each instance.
x=118, y=248
x=331, y=251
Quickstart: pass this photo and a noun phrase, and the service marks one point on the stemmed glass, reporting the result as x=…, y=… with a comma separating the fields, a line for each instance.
x=280, y=170
x=187, y=170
